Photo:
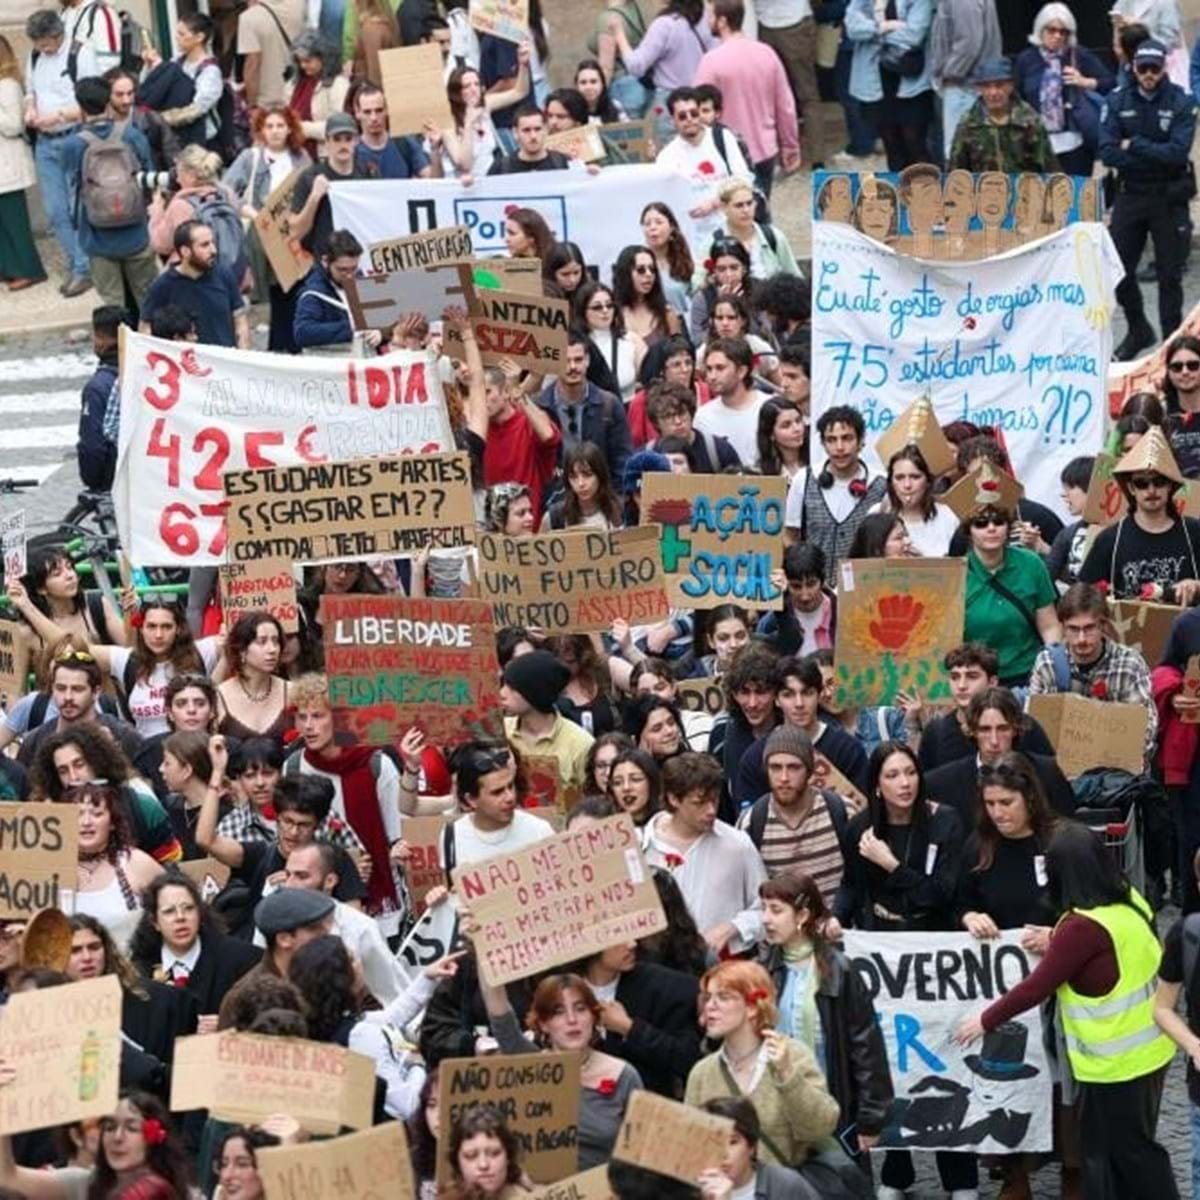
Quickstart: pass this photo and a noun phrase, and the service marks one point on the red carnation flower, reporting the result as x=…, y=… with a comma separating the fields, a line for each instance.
x=674, y=860
x=179, y=979
x=136, y=620
x=989, y=485
x=290, y=735
x=1148, y=591
x=1100, y=689
x=153, y=1132
x=607, y=1087
x=710, y=265
x=969, y=322
x=1102, y=586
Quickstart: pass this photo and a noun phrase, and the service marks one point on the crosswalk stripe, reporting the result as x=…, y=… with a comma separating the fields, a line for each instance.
x=42, y=437
x=50, y=403
x=52, y=366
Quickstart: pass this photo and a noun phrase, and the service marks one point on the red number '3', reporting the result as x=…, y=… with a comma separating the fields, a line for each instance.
x=167, y=373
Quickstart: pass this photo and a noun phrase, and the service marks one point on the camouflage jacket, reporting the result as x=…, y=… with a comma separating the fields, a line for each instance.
x=1021, y=145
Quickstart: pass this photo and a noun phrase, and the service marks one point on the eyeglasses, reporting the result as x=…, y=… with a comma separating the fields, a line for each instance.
x=1060, y=29
x=984, y=520
x=191, y=680
x=291, y=825
x=573, y=419
x=178, y=910
x=603, y=306
x=687, y=114
x=1140, y=483
x=1184, y=364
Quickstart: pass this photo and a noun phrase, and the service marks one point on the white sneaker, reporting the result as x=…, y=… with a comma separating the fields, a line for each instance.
x=884, y=1192
x=965, y=1194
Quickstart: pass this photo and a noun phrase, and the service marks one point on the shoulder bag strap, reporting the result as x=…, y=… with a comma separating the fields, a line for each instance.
x=735, y=1088
x=1016, y=602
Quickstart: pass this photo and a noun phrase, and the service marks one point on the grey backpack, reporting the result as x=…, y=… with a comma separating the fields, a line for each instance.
x=109, y=189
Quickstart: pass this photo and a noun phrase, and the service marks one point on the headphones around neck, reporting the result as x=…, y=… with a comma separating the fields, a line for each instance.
x=858, y=487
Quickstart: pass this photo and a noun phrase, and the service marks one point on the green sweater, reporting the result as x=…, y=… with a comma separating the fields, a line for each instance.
x=795, y=1113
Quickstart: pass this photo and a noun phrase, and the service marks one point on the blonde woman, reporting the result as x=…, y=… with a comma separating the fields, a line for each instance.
x=198, y=171
x=768, y=247
x=19, y=261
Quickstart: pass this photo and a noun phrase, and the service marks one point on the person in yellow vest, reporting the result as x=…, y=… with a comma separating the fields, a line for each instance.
x=1101, y=961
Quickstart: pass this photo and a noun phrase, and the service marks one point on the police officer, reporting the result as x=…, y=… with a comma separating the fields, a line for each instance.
x=1146, y=134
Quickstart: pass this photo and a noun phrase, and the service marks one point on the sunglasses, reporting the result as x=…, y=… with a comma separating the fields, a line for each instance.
x=71, y=656
x=995, y=520
x=644, y=269
x=485, y=760
x=1056, y=29
x=1147, y=68
x=606, y=307
x=1141, y=482
x=1184, y=364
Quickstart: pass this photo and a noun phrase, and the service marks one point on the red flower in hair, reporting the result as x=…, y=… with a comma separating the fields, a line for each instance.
x=710, y=265
x=290, y=735
x=1100, y=690
x=1102, y=586
x=136, y=620
x=756, y=996
x=858, y=488
x=153, y=1132
x=607, y=1087
x=673, y=860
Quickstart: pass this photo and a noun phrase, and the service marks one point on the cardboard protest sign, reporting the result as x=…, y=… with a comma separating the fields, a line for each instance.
x=379, y=301
x=39, y=846
x=366, y=508
x=581, y=143
x=574, y=582
x=537, y=1095
x=1144, y=625
x=1088, y=733
x=635, y=139
x=423, y=871
x=560, y=900
x=530, y=331
x=289, y=260
x=433, y=936
x=992, y=1097
x=507, y=19
x=700, y=695
x=65, y=1045
x=546, y=785
x=244, y=1077
x=210, y=876
x=1191, y=689
x=1105, y=502
x=266, y=584
x=411, y=77
x=197, y=412
x=372, y=1163
x=437, y=248
x=587, y=1185
x=394, y=662
x=14, y=662
x=671, y=1138
x=826, y=775
x=897, y=619
x=722, y=536
x=521, y=275
x=12, y=544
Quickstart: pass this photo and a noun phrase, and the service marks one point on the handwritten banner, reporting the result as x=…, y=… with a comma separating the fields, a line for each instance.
x=64, y=1043
x=587, y=1185
x=14, y=662
x=582, y=143
x=289, y=260
x=12, y=544
x=437, y=248
x=379, y=301
x=536, y=1095
x=721, y=536
x=209, y=875
x=1088, y=733
x=394, y=662
x=423, y=870
x=266, y=584
x=244, y=1077
x=411, y=78
x=575, y=582
x=897, y=619
x=373, y=1163
x=560, y=900
x=193, y=413
x=635, y=139
x=507, y=19
x=989, y=1098
x=368, y=508
x=530, y=331
x=888, y=328
x=671, y=1138
x=700, y=695
x=38, y=854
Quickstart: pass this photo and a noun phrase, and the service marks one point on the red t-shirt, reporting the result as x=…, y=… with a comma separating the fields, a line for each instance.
x=513, y=454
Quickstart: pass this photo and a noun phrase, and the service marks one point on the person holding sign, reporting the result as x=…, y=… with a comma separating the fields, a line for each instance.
x=777, y=1073
x=469, y=149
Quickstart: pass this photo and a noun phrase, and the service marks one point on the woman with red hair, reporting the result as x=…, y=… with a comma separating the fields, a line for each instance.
x=778, y=1074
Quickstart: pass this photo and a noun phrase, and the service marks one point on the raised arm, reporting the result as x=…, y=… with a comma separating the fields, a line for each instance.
x=222, y=848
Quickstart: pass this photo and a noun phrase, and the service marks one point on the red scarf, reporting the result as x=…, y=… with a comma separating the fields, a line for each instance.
x=301, y=105
x=359, y=799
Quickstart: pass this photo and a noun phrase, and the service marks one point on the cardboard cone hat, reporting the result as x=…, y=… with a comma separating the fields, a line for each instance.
x=46, y=942
x=1152, y=453
x=918, y=426
x=986, y=486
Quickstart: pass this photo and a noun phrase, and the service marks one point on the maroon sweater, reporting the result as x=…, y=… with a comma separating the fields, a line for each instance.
x=1081, y=953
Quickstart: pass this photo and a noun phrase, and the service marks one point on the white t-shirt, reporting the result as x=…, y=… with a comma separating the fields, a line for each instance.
x=704, y=166
x=470, y=845
x=931, y=539
x=739, y=427
x=148, y=697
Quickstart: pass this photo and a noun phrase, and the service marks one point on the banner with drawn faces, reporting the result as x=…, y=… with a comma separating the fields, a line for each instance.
x=954, y=215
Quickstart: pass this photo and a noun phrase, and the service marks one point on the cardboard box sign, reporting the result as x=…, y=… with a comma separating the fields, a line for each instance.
x=39, y=850
x=437, y=248
x=701, y=695
x=12, y=544
x=379, y=301
x=530, y=331
x=411, y=77
x=1144, y=625
x=289, y=260
x=210, y=876
x=633, y=138
x=364, y=508
x=581, y=143
x=520, y=275
x=507, y=19
x=587, y=1185
x=244, y=1077
x=897, y=619
x=64, y=1044
x=266, y=584
x=374, y=1162
x=560, y=900
x=577, y=581
x=722, y=536
x=14, y=662
x=671, y=1138
x=537, y=1095
x=423, y=871
x=394, y=662
x=1087, y=733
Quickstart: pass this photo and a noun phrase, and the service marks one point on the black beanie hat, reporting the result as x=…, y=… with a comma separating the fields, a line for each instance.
x=539, y=676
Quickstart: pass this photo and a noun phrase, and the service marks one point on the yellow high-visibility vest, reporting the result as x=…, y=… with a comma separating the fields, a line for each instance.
x=1113, y=1038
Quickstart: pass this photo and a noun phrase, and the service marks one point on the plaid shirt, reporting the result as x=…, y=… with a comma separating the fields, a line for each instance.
x=1120, y=674
x=246, y=824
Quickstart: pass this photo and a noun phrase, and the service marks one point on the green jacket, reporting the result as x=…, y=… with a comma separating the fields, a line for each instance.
x=1021, y=145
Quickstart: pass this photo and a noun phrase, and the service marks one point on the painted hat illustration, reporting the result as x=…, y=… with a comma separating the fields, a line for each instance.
x=918, y=426
x=1003, y=1054
x=1152, y=453
x=986, y=486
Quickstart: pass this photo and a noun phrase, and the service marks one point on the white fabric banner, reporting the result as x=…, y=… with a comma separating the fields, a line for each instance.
x=190, y=413
x=1020, y=342
x=600, y=213
x=992, y=1097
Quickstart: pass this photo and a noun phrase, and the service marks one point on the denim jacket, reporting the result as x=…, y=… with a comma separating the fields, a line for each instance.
x=865, y=84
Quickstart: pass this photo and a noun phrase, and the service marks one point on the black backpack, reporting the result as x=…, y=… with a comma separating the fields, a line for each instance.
x=762, y=210
x=756, y=823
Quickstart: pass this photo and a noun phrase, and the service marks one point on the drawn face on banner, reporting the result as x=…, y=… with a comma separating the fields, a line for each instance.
x=923, y=193
x=875, y=214
x=1031, y=200
x=958, y=201
x=993, y=198
x=1061, y=197
x=834, y=202
x=1089, y=201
